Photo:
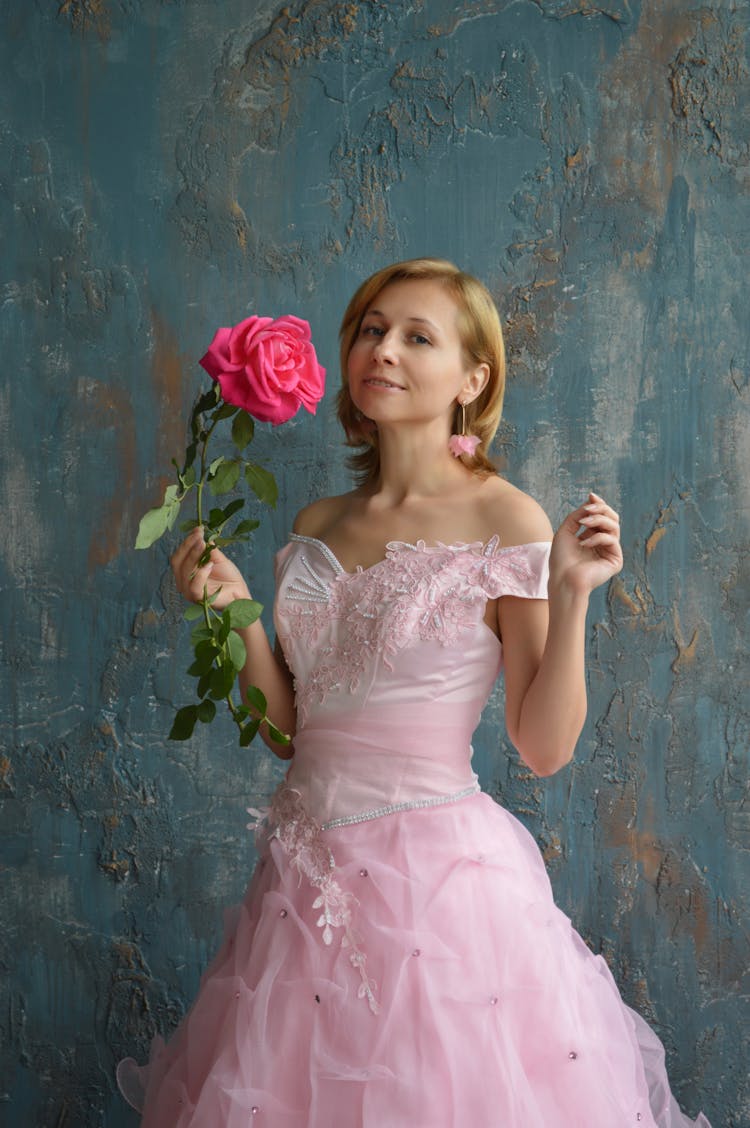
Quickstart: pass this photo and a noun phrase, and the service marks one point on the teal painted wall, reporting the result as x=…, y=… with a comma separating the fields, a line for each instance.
x=167, y=166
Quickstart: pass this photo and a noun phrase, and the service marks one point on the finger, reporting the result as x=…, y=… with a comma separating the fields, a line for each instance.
x=597, y=503
x=601, y=540
x=194, y=537
x=197, y=582
x=601, y=521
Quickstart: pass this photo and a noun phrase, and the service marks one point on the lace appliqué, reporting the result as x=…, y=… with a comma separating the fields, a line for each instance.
x=301, y=838
x=416, y=592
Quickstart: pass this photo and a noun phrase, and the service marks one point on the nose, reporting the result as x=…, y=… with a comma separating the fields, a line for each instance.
x=385, y=350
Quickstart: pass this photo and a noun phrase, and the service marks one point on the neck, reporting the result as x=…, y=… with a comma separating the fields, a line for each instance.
x=416, y=463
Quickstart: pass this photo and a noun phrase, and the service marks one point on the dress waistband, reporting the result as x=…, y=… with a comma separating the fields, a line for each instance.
x=407, y=805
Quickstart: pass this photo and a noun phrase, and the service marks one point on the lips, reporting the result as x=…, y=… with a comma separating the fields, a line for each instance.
x=381, y=382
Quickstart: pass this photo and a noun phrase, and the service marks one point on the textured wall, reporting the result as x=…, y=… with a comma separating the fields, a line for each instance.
x=170, y=165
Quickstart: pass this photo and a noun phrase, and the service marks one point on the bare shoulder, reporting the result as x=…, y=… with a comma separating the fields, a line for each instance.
x=513, y=514
x=318, y=516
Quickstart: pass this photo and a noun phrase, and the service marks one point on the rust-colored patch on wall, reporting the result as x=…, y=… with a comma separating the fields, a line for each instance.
x=707, y=77
x=107, y=407
x=85, y=14
x=5, y=770
x=167, y=376
x=686, y=651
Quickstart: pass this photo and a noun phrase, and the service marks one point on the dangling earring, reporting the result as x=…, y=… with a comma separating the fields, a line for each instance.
x=463, y=443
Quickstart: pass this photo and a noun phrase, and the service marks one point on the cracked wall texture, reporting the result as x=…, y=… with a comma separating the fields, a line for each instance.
x=170, y=165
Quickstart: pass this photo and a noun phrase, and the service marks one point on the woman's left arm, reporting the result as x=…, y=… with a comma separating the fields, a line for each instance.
x=543, y=643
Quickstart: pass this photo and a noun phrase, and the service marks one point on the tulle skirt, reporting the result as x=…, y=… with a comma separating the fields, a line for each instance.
x=426, y=981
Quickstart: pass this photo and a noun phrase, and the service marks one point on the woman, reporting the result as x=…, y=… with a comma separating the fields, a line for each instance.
x=398, y=959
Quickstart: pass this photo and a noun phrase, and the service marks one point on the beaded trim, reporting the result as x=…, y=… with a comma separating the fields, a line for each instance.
x=337, y=567
x=409, y=805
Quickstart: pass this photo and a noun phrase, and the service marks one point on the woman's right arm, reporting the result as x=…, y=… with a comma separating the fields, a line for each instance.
x=264, y=668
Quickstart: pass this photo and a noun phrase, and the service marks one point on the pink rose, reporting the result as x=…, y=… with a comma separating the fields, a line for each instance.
x=266, y=366
x=463, y=444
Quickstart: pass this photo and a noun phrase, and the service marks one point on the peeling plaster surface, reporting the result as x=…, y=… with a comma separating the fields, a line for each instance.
x=172, y=165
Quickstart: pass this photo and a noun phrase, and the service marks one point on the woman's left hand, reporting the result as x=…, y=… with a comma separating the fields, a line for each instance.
x=581, y=561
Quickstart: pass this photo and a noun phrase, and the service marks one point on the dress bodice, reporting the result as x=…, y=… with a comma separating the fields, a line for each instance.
x=393, y=664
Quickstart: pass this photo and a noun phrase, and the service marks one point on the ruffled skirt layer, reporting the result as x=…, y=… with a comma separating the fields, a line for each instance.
x=427, y=980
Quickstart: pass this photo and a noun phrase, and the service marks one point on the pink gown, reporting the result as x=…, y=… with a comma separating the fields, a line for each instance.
x=398, y=960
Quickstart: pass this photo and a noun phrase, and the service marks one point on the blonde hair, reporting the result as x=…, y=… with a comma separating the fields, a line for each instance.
x=482, y=340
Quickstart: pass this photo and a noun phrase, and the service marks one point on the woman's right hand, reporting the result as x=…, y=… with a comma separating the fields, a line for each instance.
x=220, y=572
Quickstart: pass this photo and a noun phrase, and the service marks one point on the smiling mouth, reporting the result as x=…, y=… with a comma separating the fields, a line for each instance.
x=378, y=382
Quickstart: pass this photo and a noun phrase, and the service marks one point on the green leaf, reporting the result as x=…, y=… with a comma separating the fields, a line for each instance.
x=224, y=628
x=184, y=723
x=243, y=429
x=262, y=483
x=156, y=522
x=214, y=466
x=222, y=680
x=245, y=527
x=217, y=518
x=206, y=711
x=194, y=611
x=204, y=684
x=205, y=653
x=225, y=478
x=248, y=732
x=200, y=634
x=237, y=651
x=243, y=612
x=186, y=526
x=257, y=699
x=187, y=480
x=206, y=401
x=276, y=734
x=225, y=411
x=233, y=507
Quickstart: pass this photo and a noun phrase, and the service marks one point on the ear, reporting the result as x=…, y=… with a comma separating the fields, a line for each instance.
x=474, y=384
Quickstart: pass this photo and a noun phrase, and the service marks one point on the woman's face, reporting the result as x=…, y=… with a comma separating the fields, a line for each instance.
x=407, y=362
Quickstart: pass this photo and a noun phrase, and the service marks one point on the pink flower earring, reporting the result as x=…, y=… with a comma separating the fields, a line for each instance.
x=463, y=443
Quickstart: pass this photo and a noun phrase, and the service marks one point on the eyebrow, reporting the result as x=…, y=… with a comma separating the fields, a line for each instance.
x=417, y=320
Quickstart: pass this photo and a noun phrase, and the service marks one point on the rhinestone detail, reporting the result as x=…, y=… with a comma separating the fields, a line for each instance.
x=394, y=808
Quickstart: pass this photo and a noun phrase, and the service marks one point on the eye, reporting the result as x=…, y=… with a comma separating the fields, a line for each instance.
x=420, y=339
x=372, y=331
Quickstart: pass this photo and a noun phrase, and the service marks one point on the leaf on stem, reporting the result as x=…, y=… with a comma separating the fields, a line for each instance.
x=248, y=732
x=243, y=429
x=257, y=699
x=225, y=478
x=222, y=680
x=184, y=723
x=243, y=612
x=262, y=483
x=207, y=400
x=276, y=734
x=223, y=628
x=200, y=634
x=206, y=711
x=226, y=411
x=194, y=611
x=156, y=522
x=245, y=528
x=237, y=651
